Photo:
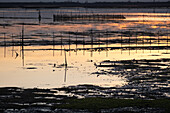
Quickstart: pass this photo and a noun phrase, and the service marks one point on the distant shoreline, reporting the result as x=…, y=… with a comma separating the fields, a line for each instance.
x=85, y=5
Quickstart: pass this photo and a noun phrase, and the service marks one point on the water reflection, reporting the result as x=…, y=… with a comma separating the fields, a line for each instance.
x=40, y=61
x=45, y=47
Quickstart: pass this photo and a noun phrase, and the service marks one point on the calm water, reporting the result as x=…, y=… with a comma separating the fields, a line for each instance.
x=38, y=63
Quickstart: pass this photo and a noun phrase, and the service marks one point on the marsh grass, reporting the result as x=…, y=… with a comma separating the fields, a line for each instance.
x=95, y=104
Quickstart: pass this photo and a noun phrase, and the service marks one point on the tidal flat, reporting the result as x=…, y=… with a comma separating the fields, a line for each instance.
x=81, y=59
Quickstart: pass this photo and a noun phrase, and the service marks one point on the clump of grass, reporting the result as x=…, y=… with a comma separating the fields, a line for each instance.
x=95, y=104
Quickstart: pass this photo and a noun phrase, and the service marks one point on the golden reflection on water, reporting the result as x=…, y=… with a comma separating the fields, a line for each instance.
x=13, y=73
x=34, y=66
x=152, y=22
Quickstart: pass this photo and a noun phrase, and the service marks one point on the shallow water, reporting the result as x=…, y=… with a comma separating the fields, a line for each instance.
x=37, y=63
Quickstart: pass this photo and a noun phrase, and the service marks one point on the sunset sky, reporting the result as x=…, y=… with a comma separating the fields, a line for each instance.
x=80, y=0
